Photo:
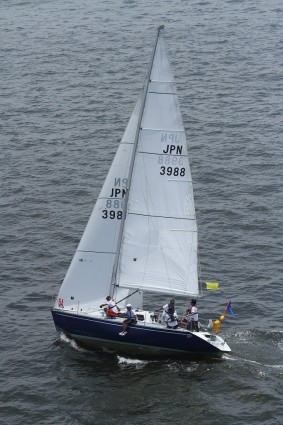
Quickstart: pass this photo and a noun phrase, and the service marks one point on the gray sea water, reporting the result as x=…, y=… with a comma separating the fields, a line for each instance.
x=71, y=72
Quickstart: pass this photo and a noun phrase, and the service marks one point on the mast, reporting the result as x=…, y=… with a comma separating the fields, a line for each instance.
x=144, y=93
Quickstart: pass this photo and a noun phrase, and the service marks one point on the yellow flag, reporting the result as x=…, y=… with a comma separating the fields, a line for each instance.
x=212, y=285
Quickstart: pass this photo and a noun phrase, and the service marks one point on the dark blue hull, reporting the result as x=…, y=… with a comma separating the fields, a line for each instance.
x=140, y=339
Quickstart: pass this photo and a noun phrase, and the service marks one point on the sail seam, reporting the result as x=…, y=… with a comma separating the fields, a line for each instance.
x=157, y=92
x=162, y=216
x=159, y=81
x=162, y=129
x=164, y=154
x=111, y=197
x=97, y=252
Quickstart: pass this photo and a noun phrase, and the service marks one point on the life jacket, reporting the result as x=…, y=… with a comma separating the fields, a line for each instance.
x=170, y=313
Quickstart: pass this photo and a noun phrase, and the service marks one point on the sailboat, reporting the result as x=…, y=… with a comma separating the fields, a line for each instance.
x=142, y=234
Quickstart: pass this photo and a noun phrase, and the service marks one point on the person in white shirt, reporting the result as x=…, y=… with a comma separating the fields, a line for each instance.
x=192, y=315
x=166, y=307
x=171, y=319
x=111, y=308
x=169, y=315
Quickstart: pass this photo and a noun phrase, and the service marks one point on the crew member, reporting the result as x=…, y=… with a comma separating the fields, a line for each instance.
x=111, y=309
x=130, y=320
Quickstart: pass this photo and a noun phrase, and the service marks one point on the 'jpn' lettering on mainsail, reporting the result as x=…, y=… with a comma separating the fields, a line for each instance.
x=176, y=150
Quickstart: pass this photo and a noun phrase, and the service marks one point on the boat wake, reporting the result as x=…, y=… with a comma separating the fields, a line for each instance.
x=63, y=338
x=138, y=364
x=229, y=357
x=255, y=334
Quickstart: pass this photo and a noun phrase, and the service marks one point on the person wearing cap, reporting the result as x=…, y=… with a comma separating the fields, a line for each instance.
x=111, y=309
x=130, y=320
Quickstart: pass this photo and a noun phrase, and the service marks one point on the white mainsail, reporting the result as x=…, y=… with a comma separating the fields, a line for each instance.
x=159, y=243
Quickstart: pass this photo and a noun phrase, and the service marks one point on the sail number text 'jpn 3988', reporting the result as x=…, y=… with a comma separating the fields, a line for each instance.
x=172, y=164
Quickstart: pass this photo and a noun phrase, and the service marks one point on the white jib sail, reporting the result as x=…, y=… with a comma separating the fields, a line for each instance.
x=88, y=279
x=159, y=244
